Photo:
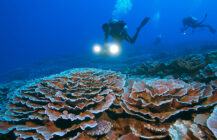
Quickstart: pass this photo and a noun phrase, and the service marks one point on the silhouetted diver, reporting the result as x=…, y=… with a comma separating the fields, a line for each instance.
x=192, y=22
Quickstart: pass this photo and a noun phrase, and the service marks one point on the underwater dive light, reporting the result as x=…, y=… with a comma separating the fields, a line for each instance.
x=97, y=49
x=114, y=49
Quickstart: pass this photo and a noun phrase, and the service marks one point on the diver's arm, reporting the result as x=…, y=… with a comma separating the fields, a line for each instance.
x=184, y=28
x=106, y=40
x=105, y=44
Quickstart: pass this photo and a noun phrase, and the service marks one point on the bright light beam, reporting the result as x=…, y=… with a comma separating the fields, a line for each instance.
x=97, y=48
x=114, y=49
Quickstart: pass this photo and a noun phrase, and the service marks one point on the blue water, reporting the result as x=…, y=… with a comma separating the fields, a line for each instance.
x=33, y=31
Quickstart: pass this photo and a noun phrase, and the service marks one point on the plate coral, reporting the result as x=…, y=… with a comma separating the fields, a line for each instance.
x=102, y=104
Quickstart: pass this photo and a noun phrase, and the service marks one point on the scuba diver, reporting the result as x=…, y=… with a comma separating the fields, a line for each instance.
x=118, y=31
x=157, y=40
x=192, y=22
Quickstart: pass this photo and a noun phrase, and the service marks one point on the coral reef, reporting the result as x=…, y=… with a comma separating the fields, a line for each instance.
x=129, y=137
x=201, y=119
x=60, y=104
x=187, y=130
x=201, y=68
x=102, y=128
x=161, y=99
x=143, y=61
x=95, y=104
x=6, y=90
x=212, y=122
x=209, y=72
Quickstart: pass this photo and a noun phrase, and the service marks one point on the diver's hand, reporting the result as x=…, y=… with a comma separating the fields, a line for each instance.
x=183, y=29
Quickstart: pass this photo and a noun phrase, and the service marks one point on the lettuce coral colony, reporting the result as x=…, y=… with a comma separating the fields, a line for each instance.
x=100, y=104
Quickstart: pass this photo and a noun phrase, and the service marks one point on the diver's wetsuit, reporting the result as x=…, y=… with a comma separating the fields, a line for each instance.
x=193, y=23
x=117, y=30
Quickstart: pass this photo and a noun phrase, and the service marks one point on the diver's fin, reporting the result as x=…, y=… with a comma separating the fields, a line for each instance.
x=203, y=19
x=212, y=30
x=144, y=22
x=206, y=15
